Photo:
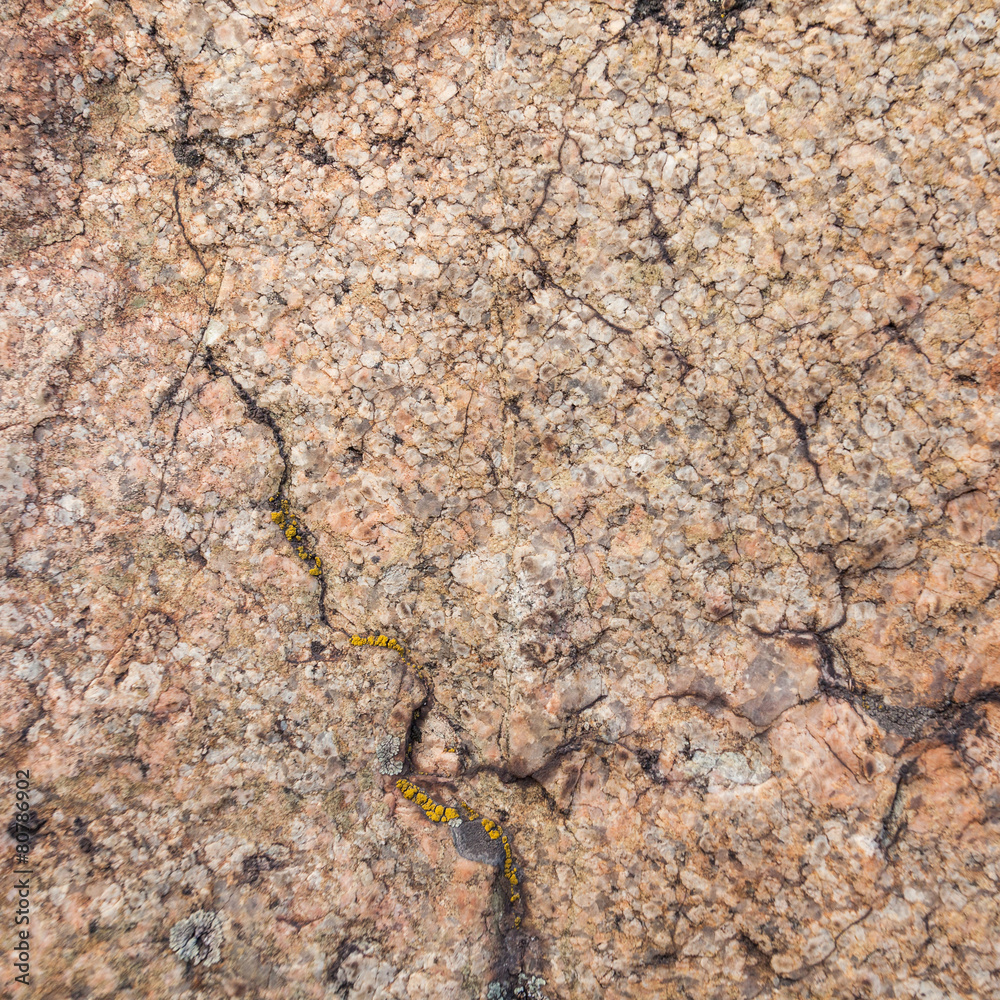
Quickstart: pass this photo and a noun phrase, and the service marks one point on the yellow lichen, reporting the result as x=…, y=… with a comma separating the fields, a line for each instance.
x=432, y=810
x=289, y=525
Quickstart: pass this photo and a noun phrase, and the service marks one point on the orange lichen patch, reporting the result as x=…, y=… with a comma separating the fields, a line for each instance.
x=386, y=643
x=281, y=514
x=510, y=873
x=378, y=640
x=432, y=810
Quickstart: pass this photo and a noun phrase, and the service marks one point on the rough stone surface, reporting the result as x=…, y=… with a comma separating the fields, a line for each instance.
x=634, y=365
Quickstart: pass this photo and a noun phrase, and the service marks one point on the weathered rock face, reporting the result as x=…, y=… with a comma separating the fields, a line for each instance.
x=634, y=366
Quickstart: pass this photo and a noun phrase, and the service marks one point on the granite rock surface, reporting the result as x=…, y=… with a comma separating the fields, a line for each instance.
x=634, y=365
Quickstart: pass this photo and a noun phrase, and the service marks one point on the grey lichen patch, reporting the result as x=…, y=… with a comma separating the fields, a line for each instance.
x=386, y=751
x=529, y=987
x=526, y=987
x=198, y=939
x=894, y=718
x=472, y=841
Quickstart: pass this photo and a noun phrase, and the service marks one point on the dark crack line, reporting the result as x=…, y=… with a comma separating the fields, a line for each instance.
x=552, y=511
x=897, y=335
x=180, y=222
x=542, y=269
x=800, y=432
x=893, y=823
x=169, y=399
x=263, y=416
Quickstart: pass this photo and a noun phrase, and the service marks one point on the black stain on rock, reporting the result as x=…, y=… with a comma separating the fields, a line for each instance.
x=256, y=864
x=720, y=28
x=188, y=155
x=659, y=10
x=719, y=20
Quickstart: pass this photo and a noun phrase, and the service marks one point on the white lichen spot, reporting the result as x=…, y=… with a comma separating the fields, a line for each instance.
x=385, y=752
x=198, y=939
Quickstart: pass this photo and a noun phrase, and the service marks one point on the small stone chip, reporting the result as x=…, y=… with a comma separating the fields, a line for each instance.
x=474, y=843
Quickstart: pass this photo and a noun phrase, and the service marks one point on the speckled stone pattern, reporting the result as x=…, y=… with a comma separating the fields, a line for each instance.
x=634, y=364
